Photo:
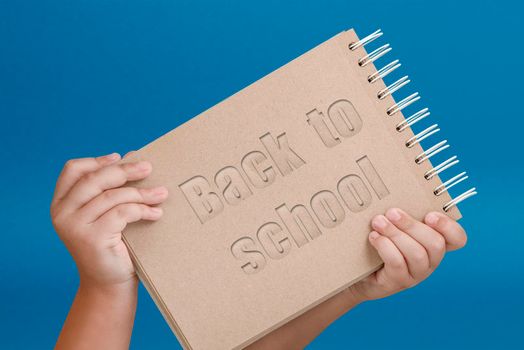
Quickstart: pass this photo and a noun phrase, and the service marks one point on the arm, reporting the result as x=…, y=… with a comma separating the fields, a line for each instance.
x=89, y=210
x=100, y=318
x=410, y=249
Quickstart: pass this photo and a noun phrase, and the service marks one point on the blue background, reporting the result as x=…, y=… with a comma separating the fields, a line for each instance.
x=81, y=78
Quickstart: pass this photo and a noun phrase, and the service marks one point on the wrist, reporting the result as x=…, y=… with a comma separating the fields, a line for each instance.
x=123, y=289
x=354, y=297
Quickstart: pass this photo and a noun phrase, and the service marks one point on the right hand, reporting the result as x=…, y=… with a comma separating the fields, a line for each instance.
x=411, y=251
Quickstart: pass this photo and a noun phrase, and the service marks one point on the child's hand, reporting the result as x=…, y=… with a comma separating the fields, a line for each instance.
x=410, y=249
x=90, y=209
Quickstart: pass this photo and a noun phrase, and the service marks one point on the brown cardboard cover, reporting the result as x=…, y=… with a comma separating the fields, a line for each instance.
x=358, y=170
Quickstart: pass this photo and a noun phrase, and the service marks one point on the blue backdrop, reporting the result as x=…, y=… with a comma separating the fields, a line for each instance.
x=80, y=78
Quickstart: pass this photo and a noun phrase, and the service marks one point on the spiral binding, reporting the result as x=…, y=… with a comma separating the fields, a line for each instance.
x=416, y=117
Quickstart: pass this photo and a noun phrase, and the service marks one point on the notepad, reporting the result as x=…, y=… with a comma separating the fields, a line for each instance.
x=273, y=189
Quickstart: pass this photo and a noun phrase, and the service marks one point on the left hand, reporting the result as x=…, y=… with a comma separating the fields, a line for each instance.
x=411, y=251
x=93, y=203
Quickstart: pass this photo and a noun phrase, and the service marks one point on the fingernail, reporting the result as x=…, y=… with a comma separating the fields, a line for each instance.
x=379, y=222
x=159, y=191
x=432, y=219
x=143, y=165
x=111, y=157
x=394, y=214
x=373, y=235
x=156, y=210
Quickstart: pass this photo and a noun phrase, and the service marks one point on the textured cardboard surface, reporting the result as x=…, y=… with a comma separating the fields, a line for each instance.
x=223, y=278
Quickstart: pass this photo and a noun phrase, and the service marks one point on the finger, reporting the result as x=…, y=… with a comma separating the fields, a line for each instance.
x=451, y=230
x=431, y=240
x=93, y=184
x=74, y=169
x=415, y=255
x=111, y=198
x=395, y=269
x=116, y=219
